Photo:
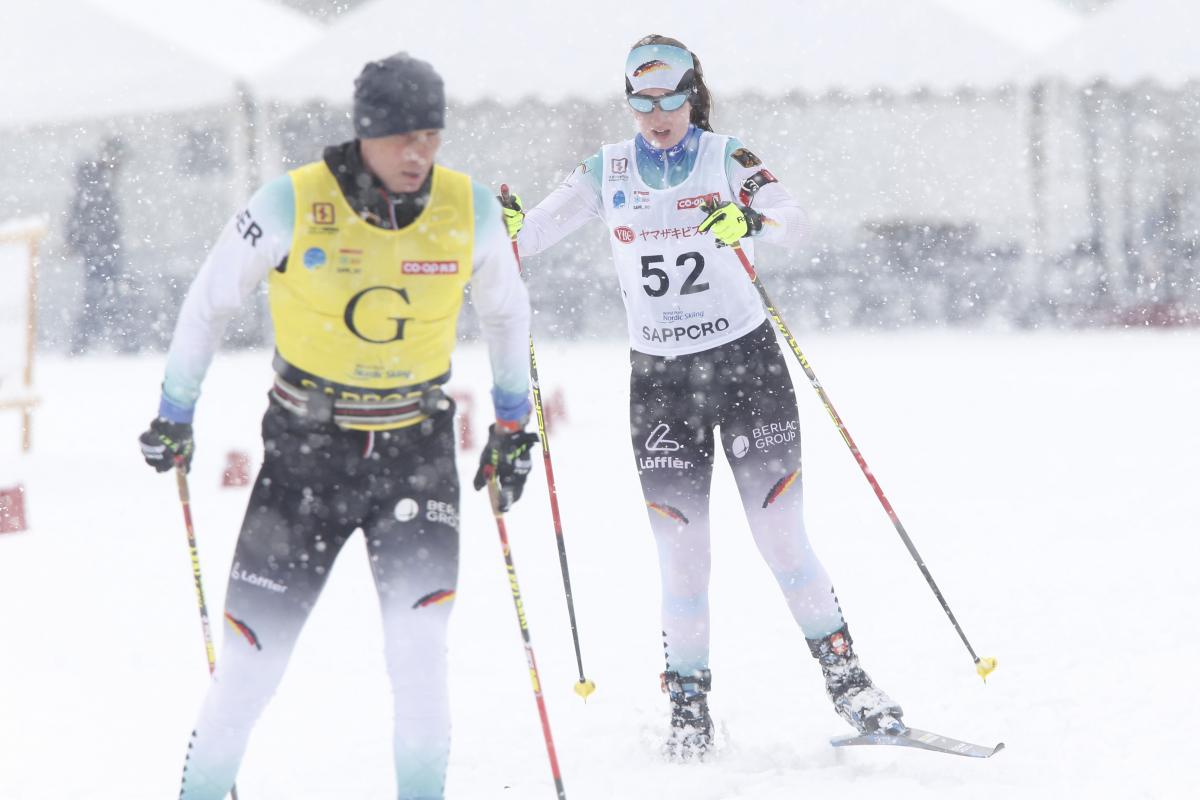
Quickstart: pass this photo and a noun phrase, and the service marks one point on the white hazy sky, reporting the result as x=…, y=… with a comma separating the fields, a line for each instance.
x=1032, y=24
x=205, y=54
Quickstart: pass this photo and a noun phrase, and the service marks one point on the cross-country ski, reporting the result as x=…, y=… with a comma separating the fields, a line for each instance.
x=922, y=740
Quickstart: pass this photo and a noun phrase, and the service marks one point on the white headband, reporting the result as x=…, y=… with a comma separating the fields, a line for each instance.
x=658, y=66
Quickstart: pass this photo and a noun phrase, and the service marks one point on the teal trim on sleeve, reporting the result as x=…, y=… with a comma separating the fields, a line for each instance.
x=591, y=168
x=487, y=211
x=274, y=204
x=731, y=166
x=273, y=207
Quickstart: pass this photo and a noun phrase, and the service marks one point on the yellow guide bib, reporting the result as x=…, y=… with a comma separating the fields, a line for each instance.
x=366, y=308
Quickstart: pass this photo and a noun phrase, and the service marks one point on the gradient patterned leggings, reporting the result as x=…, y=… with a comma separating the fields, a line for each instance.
x=676, y=405
x=318, y=484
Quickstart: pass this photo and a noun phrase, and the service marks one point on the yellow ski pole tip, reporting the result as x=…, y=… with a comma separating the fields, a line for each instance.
x=584, y=688
x=985, y=667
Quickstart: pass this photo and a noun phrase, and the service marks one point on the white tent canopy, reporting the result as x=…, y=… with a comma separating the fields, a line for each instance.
x=1130, y=41
x=241, y=37
x=553, y=50
x=1032, y=25
x=66, y=60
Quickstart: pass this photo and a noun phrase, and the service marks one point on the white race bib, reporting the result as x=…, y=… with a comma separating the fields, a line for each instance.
x=682, y=293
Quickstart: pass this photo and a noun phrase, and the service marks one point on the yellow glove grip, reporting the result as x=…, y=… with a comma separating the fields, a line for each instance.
x=514, y=218
x=727, y=223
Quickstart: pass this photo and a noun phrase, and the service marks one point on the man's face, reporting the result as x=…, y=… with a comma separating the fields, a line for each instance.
x=402, y=161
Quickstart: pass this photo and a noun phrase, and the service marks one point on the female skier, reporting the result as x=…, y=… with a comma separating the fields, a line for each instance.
x=704, y=357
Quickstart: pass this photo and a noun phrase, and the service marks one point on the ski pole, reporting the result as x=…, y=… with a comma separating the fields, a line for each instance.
x=983, y=666
x=584, y=687
x=194, y=551
x=494, y=495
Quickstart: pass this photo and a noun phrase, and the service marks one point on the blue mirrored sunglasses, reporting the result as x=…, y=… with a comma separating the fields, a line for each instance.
x=668, y=102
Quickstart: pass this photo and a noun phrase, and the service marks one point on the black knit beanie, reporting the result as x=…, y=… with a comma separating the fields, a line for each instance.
x=398, y=94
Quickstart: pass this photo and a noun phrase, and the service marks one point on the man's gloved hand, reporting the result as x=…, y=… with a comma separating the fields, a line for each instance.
x=514, y=215
x=165, y=443
x=508, y=453
x=730, y=223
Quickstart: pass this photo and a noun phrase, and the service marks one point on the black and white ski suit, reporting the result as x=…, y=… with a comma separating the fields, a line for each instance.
x=706, y=370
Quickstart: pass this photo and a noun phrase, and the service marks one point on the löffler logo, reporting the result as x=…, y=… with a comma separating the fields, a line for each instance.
x=657, y=441
x=254, y=579
x=663, y=462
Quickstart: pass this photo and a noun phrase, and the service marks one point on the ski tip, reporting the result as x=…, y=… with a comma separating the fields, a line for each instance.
x=922, y=740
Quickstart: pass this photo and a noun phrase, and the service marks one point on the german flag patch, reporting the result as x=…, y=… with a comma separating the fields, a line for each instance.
x=435, y=598
x=745, y=158
x=244, y=630
x=781, y=486
x=670, y=512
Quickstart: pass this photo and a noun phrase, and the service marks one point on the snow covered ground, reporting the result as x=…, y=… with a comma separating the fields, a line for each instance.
x=1048, y=480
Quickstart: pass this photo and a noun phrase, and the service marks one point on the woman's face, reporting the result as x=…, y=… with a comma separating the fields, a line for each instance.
x=663, y=129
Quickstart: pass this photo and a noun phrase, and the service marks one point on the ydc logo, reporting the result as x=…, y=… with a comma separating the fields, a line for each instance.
x=698, y=201
x=624, y=234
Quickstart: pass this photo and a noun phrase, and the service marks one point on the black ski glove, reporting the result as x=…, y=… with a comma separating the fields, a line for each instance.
x=508, y=453
x=166, y=443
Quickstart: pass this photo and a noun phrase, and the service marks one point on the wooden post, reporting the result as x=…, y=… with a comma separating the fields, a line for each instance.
x=26, y=401
x=30, y=347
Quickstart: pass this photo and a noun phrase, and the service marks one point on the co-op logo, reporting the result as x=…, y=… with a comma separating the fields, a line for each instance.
x=429, y=267
x=624, y=234
x=700, y=200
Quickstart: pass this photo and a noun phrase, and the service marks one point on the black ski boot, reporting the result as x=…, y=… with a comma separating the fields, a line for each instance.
x=691, y=726
x=854, y=697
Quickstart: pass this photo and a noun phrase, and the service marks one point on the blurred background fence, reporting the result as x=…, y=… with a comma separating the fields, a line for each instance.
x=1060, y=189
